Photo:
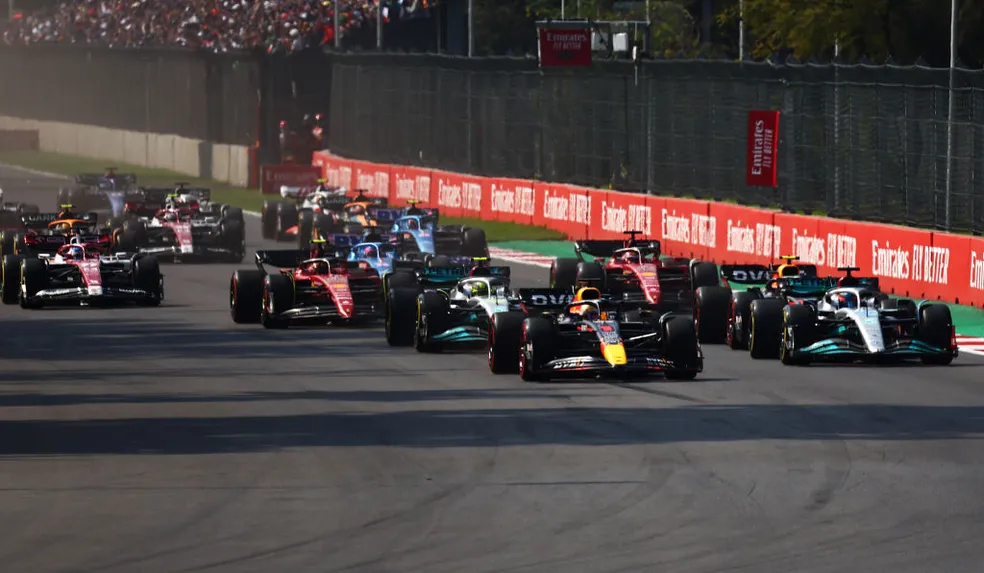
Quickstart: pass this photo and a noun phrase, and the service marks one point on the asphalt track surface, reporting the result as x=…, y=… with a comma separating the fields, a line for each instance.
x=170, y=439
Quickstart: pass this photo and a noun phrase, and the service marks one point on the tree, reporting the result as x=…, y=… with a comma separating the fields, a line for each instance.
x=877, y=29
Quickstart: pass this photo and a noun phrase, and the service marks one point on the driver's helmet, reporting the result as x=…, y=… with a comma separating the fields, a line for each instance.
x=171, y=216
x=74, y=252
x=478, y=289
x=413, y=224
x=785, y=271
x=317, y=249
x=367, y=252
x=845, y=300
x=631, y=257
x=587, y=293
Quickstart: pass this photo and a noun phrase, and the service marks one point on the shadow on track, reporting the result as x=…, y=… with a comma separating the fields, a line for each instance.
x=48, y=339
x=489, y=428
x=35, y=399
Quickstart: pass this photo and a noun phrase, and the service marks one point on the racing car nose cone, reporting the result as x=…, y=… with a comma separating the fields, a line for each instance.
x=614, y=354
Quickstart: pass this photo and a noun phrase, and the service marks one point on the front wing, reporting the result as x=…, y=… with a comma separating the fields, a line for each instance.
x=841, y=349
x=589, y=365
x=91, y=294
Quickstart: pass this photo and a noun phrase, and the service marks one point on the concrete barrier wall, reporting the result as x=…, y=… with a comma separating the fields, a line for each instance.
x=192, y=157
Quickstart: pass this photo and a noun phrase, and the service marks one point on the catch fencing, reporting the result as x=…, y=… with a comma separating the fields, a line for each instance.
x=864, y=142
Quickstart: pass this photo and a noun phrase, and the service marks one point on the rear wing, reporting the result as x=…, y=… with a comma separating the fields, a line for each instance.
x=384, y=215
x=759, y=274
x=343, y=240
x=200, y=193
x=100, y=179
x=155, y=195
x=281, y=258
x=545, y=299
x=810, y=285
x=41, y=220
x=607, y=248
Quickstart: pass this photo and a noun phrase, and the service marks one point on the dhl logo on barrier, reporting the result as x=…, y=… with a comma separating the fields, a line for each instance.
x=908, y=262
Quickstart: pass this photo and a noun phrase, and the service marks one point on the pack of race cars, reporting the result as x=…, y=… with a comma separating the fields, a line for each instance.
x=615, y=309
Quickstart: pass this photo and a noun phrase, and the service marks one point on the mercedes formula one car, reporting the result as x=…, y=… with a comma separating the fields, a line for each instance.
x=590, y=336
x=181, y=229
x=852, y=321
x=436, y=318
x=308, y=286
x=635, y=271
x=95, y=191
x=77, y=274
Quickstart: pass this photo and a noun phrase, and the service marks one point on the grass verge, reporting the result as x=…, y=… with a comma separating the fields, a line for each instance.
x=249, y=199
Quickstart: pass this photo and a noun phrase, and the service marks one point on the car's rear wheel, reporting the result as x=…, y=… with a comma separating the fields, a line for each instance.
x=278, y=297
x=537, y=346
x=246, y=296
x=401, y=316
x=505, y=330
x=34, y=279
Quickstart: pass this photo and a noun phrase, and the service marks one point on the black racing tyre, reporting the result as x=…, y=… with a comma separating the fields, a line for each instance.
x=439, y=262
x=537, y=346
x=10, y=280
x=278, y=297
x=305, y=229
x=798, y=331
x=232, y=213
x=327, y=225
x=286, y=218
x=711, y=307
x=563, y=274
x=593, y=274
x=739, y=319
x=401, y=316
x=705, y=275
x=402, y=279
x=432, y=318
x=33, y=279
x=680, y=347
x=6, y=243
x=146, y=275
x=268, y=219
x=19, y=244
x=246, y=296
x=137, y=230
x=233, y=236
x=505, y=330
x=936, y=329
x=474, y=243
x=765, y=328
x=127, y=241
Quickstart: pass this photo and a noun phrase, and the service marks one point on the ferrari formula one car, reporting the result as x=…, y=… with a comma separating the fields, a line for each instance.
x=590, y=336
x=634, y=271
x=77, y=274
x=95, y=191
x=852, y=321
x=185, y=227
x=438, y=317
x=309, y=286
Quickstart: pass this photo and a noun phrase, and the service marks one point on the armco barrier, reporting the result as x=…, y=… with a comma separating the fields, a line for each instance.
x=909, y=262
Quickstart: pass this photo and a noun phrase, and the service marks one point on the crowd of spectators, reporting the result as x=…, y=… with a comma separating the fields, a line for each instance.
x=220, y=25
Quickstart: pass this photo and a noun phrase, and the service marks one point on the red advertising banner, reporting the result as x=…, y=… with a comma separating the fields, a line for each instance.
x=565, y=47
x=909, y=262
x=273, y=176
x=763, y=149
